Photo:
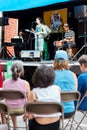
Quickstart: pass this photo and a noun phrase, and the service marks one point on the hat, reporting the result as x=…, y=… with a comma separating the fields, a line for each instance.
x=61, y=55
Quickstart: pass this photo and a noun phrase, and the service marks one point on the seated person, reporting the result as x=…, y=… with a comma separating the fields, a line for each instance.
x=82, y=81
x=16, y=83
x=19, y=44
x=65, y=79
x=69, y=39
x=43, y=79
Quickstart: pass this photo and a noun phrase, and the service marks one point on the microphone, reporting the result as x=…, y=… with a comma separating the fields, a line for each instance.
x=34, y=22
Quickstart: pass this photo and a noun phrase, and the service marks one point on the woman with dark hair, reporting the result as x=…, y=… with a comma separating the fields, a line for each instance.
x=16, y=83
x=43, y=79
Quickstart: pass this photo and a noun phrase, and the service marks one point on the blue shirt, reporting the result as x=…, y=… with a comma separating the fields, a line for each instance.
x=82, y=87
x=65, y=80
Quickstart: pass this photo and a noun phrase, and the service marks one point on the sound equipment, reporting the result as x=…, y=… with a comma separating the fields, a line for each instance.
x=30, y=55
x=80, y=11
x=3, y=21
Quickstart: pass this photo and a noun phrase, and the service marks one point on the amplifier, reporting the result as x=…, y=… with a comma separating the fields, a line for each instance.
x=30, y=54
x=80, y=11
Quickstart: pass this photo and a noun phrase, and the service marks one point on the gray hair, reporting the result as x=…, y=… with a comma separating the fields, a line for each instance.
x=16, y=68
x=83, y=60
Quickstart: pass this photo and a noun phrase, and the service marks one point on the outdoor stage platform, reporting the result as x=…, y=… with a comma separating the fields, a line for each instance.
x=30, y=66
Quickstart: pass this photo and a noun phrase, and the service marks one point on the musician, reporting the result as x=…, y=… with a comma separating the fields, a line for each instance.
x=40, y=32
x=46, y=39
x=69, y=39
x=18, y=48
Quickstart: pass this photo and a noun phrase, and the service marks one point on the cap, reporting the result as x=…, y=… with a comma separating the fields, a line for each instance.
x=61, y=55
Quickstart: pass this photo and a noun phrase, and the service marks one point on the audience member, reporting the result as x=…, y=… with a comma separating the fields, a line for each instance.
x=82, y=81
x=45, y=91
x=65, y=78
x=16, y=83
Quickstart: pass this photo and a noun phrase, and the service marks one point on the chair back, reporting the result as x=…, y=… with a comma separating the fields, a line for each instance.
x=70, y=96
x=45, y=108
x=67, y=97
x=11, y=94
x=85, y=96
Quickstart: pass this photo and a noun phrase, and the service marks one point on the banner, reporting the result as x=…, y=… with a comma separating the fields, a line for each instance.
x=9, y=73
x=55, y=19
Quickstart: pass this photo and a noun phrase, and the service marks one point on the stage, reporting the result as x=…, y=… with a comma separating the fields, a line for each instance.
x=30, y=66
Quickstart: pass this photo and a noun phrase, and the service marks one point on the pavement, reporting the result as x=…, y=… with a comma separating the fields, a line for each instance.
x=21, y=123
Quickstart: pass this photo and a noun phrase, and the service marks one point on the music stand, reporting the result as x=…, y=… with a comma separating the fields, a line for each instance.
x=85, y=42
x=37, y=37
x=16, y=40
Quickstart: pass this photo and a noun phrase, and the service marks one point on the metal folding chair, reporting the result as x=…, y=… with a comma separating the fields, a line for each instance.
x=84, y=112
x=4, y=109
x=12, y=95
x=44, y=108
x=67, y=97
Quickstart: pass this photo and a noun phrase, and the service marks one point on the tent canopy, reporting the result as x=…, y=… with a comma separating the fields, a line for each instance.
x=13, y=5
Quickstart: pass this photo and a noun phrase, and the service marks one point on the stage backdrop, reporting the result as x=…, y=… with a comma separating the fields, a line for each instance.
x=10, y=31
x=55, y=19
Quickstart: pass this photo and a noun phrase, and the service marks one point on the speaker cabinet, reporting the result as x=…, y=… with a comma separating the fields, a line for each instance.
x=80, y=11
x=3, y=21
x=31, y=55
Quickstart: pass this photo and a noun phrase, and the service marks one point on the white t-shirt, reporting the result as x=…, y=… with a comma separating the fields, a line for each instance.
x=49, y=94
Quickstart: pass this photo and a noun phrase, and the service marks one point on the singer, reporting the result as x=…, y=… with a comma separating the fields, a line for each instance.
x=40, y=32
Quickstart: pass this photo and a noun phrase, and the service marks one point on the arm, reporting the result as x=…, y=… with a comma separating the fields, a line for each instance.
x=32, y=98
x=27, y=86
x=71, y=39
x=76, y=81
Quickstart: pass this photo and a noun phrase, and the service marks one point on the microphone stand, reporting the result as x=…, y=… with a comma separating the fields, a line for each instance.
x=29, y=40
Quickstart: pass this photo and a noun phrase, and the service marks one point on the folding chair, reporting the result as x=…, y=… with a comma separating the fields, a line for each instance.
x=12, y=95
x=84, y=112
x=4, y=109
x=67, y=97
x=44, y=108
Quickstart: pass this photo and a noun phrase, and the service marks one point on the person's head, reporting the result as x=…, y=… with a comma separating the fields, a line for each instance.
x=17, y=69
x=43, y=76
x=20, y=33
x=83, y=63
x=39, y=20
x=61, y=60
x=66, y=26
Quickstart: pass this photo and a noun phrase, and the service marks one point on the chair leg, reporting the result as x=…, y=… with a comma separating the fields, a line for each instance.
x=81, y=121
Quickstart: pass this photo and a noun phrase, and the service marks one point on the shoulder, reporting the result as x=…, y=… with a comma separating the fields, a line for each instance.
x=71, y=31
x=81, y=76
x=57, y=88
x=7, y=80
